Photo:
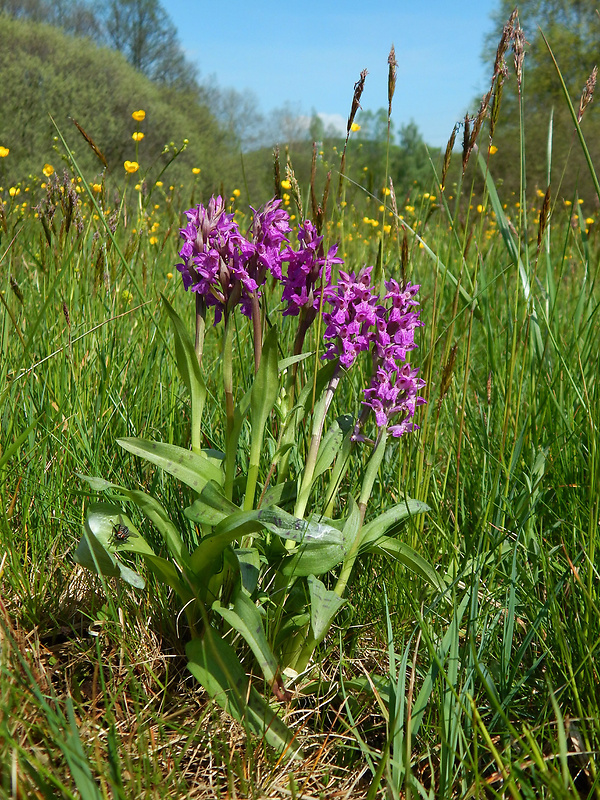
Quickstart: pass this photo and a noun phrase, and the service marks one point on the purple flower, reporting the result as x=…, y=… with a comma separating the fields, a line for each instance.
x=268, y=232
x=394, y=392
x=350, y=321
x=212, y=243
x=308, y=269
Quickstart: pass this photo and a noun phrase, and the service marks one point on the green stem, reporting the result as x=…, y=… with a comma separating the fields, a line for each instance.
x=365, y=494
x=317, y=432
x=229, y=409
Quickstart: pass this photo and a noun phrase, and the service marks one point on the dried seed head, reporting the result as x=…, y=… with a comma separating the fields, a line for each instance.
x=478, y=121
x=358, y=90
x=277, y=172
x=544, y=216
x=489, y=389
x=505, y=39
x=66, y=313
x=466, y=142
x=16, y=289
x=519, y=43
x=448, y=156
x=447, y=372
x=588, y=93
x=291, y=177
x=392, y=71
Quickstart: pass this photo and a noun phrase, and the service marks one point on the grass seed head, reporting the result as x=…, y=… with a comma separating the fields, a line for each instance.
x=588, y=93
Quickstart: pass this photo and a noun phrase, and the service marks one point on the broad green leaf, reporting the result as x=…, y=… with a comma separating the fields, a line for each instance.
x=207, y=558
x=215, y=665
x=154, y=511
x=386, y=545
x=265, y=387
x=97, y=548
x=249, y=561
x=331, y=443
x=96, y=484
x=280, y=493
x=157, y=514
x=289, y=362
x=324, y=605
x=189, y=369
x=245, y=618
x=211, y=507
x=318, y=557
x=381, y=524
x=192, y=469
x=287, y=526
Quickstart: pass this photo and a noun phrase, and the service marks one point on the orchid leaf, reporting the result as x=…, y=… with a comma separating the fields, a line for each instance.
x=401, y=552
x=189, y=369
x=244, y=617
x=94, y=549
x=324, y=605
x=331, y=443
x=154, y=511
x=215, y=665
x=211, y=507
x=390, y=518
x=190, y=468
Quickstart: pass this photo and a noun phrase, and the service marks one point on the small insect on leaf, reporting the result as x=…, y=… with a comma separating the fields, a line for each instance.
x=121, y=534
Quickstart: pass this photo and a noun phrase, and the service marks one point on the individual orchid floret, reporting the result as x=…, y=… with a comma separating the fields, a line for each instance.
x=268, y=232
x=212, y=242
x=350, y=324
x=394, y=393
x=309, y=271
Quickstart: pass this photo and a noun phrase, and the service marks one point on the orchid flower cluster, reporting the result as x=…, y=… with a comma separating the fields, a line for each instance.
x=227, y=268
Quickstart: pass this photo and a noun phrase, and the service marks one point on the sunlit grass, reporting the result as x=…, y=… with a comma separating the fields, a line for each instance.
x=486, y=690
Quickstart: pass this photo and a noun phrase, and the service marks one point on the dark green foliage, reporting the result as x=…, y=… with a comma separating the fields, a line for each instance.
x=43, y=72
x=573, y=29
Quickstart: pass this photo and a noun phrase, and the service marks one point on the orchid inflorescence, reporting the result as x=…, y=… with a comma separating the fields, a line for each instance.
x=227, y=269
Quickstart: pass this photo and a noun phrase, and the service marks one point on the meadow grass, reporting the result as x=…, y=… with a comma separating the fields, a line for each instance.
x=488, y=689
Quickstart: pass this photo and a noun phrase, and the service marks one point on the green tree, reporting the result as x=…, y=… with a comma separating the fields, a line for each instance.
x=572, y=29
x=143, y=31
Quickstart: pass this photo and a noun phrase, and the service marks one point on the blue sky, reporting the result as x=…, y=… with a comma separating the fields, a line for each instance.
x=309, y=54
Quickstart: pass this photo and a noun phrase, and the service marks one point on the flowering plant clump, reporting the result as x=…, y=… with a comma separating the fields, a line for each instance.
x=264, y=532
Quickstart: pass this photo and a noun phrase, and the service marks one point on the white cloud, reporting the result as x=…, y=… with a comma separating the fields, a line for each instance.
x=334, y=122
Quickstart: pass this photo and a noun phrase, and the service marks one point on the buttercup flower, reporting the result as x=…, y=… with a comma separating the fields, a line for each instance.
x=4, y=151
x=139, y=116
x=131, y=166
x=137, y=136
x=196, y=170
x=48, y=169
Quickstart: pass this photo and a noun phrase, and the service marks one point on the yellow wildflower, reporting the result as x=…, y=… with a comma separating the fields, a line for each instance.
x=96, y=187
x=236, y=193
x=139, y=116
x=286, y=184
x=4, y=151
x=131, y=166
x=159, y=183
x=589, y=221
x=169, y=275
x=137, y=136
x=153, y=240
x=195, y=170
x=48, y=169
x=386, y=191
x=355, y=127
x=493, y=149
x=14, y=191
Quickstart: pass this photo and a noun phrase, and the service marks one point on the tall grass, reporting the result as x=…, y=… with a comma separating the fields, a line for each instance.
x=487, y=690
